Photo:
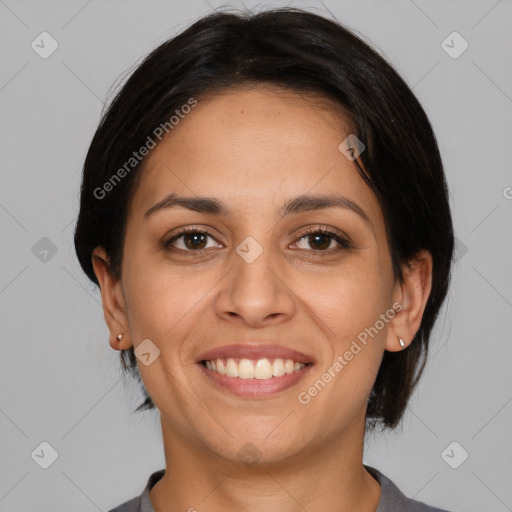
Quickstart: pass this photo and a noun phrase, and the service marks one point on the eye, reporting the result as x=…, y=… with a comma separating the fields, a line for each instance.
x=191, y=240
x=321, y=239
x=197, y=241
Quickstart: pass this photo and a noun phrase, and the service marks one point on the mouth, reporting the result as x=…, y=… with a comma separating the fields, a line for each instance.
x=260, y=369
x=254, y=371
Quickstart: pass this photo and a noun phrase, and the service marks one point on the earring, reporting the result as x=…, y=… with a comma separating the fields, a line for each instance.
x=401, y=341
x=119, y=337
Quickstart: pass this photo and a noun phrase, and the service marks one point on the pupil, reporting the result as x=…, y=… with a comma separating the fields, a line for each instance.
x=192, y=240
x=321, y=241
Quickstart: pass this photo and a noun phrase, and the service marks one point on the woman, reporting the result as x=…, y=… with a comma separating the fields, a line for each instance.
x=265, y=210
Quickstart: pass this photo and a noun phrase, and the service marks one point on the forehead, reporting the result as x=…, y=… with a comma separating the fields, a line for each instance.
x=249, y=146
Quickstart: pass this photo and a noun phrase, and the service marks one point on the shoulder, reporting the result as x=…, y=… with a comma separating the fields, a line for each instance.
x=141, y=503
x=392, y=498
x=132, y=505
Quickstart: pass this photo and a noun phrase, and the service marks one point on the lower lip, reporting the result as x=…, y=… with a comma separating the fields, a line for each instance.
x=255, y=388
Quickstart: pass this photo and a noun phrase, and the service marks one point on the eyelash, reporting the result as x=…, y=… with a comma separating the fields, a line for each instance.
x=342, y=241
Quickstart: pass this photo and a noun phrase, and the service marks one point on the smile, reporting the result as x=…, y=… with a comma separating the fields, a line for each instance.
x=254, y=369
x=252, y=379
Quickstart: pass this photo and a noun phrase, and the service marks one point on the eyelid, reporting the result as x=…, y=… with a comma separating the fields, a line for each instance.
x=328, y=230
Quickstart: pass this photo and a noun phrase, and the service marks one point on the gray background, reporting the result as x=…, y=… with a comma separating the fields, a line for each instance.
x=61, y=382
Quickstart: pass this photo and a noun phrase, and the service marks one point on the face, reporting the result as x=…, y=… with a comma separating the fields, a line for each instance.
x=264, y=271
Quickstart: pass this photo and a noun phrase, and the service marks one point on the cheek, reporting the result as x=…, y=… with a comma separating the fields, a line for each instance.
x=168, y=303
x=354, y=313
x=159, y=301
x=350, y=365
x=351, y=297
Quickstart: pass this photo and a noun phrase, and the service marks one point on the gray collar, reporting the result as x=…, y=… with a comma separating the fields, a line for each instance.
x=391, y=498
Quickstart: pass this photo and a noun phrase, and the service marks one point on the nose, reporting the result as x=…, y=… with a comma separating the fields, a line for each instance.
x=255, y=293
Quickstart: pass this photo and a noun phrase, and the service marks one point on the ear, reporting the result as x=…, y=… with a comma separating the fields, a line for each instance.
x=413, y=295
x=114, y=307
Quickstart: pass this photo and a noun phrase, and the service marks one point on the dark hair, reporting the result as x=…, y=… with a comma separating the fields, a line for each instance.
x=305, y=53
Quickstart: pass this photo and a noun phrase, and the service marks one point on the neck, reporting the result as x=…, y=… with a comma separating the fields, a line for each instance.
x=330, y=476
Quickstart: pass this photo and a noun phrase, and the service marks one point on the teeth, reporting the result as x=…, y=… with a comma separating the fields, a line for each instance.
x=278, y=368
x=231, y=368
x=263, y=369
x=246, y=369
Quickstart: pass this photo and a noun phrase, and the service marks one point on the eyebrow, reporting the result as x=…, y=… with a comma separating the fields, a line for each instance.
x=298, y=204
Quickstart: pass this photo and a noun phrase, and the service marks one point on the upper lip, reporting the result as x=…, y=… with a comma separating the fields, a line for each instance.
x=256, y=350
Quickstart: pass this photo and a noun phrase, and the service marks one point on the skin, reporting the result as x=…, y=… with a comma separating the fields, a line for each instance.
x=255, y=149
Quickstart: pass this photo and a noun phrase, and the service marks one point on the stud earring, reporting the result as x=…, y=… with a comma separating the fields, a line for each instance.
x=119, y=337
x=401, y=341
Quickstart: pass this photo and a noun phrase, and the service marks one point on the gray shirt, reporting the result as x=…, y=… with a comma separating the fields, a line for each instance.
x=391, y=498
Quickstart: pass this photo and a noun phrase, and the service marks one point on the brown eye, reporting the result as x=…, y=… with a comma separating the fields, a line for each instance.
x=194, y=240
x=321, y=240
x=191, y=240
